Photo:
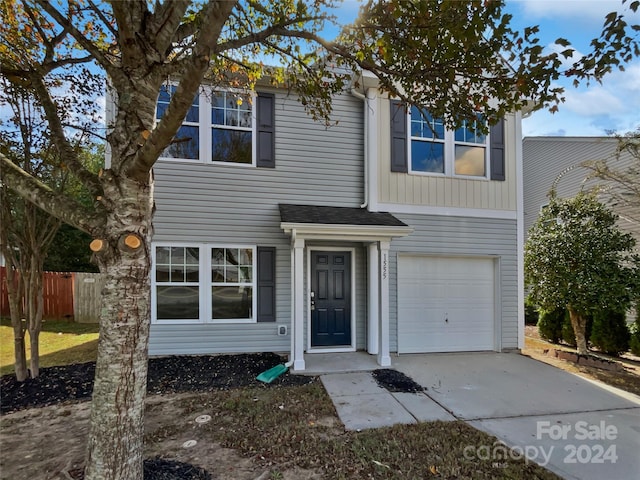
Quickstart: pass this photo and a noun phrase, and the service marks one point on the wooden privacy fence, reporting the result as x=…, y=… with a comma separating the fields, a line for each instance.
x=66, y=295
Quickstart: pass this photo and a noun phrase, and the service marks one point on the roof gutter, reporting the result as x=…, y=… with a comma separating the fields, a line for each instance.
x=365, y=99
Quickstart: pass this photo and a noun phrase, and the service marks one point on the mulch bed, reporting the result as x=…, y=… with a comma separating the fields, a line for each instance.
x=161, y=469
x=166, y=375
x=395, y=381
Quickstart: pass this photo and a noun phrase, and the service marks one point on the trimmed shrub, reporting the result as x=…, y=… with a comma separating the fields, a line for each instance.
x=610, y=332
x=550, y=324
x=531, y=315
x=634, y=341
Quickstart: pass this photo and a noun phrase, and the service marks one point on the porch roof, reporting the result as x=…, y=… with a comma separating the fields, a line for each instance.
x=346, y=222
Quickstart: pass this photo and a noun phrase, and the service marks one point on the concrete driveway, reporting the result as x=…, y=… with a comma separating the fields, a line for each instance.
x=576, y=428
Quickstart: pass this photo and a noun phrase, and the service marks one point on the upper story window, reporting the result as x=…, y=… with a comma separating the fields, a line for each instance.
x=421, y=144
x=434, y=149
x=223, y=127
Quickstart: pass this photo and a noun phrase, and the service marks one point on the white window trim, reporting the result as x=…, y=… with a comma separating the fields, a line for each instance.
x=205, y=284
x=449, y=154
x=205, y=125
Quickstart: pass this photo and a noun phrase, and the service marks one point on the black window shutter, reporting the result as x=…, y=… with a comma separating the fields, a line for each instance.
x=398, y=137
x=266, y=284
x=266, y=130
x=496, y=151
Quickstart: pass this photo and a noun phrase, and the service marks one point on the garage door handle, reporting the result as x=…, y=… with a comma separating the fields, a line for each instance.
x=446, y=318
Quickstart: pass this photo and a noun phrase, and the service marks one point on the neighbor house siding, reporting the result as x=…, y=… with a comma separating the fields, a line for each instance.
x=460, y=236
x=404, y=189
x=230, y=204
x=545, y=158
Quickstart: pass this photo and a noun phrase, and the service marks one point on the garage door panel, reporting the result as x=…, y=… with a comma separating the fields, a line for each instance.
x=445, y=304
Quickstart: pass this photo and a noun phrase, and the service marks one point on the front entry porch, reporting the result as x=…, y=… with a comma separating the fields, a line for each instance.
x=332, y=228
x=347, y=362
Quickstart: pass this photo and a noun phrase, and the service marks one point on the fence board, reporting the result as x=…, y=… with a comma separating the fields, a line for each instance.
x=65, y=295
x=88, y=288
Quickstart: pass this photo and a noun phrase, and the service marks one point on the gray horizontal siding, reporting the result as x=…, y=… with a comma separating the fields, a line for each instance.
x=544, y=158
x=440, y=235
x=227, y=204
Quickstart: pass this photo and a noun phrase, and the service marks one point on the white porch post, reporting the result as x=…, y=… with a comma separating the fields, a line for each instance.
x=373, y=283
x=384, y=359
x=298, y=302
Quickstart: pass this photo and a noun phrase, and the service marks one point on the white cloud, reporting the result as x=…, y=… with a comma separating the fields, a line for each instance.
x=583, y=10
x=594, y=102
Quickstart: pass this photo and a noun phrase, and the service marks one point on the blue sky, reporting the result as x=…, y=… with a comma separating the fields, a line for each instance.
x=587, y=111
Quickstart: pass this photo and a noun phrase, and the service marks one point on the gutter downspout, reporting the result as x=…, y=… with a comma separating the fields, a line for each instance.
x=365, y=99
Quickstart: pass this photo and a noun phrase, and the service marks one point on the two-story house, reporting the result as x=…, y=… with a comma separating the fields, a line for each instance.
x=385, y=232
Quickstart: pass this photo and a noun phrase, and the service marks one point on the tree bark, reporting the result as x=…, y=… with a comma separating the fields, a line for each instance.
x=579, y=324
x=14, y=289
x=115, y=447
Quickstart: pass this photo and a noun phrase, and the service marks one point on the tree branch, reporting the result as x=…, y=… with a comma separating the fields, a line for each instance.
x=67, y=153
x=215, y=16
x=87, y=44
x=58, y=205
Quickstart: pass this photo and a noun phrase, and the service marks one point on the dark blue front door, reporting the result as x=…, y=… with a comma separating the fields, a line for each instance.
x=330, y=299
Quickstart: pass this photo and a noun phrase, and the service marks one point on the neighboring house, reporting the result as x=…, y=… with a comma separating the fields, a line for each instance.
x=276, y=233
x=558, y=160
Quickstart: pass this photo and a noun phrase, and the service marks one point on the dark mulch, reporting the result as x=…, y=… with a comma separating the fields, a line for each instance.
x=395, y=381
x=160, y=469
x=166, y=375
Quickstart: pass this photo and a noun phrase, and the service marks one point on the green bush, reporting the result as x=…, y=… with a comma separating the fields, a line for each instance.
x=634, y=341
x=610, y=332
x=550, y=324
x=531, y=315
x=568, y=335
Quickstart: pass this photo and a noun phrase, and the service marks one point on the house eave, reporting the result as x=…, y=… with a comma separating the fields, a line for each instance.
x=360, y=233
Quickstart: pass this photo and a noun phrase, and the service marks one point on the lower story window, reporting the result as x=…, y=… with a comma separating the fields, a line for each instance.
x=182, y=272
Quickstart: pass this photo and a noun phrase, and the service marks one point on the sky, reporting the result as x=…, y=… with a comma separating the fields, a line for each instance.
x=595, y=110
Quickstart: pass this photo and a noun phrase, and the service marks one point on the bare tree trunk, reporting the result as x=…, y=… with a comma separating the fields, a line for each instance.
x=115, y=446
x=36, y=310
x=14, y=289
x=579, y=324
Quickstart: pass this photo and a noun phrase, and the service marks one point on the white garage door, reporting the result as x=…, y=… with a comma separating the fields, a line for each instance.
x=445, y=304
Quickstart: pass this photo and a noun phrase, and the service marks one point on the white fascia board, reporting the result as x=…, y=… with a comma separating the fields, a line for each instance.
x=446, y=211
x=321, y=231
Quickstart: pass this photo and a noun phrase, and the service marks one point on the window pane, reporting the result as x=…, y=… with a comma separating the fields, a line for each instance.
x=231, y=146
x=427, y=157
x=470, y=161
x=192, y=256
x=178, y=303
x=231, y=302
x=217, y=274
x=186, y=144
x=162, y=255
x=162, y=273
x=231, y=274
x=192, y=274
x=246, y=256
x=177, y=274
x=177, y=255
x=217, y=256
x=245, y=275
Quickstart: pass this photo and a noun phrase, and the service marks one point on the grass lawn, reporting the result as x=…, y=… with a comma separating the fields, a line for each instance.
x=61, y=343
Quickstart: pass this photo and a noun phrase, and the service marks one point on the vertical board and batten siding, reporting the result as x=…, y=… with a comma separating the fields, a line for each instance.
x=461, y=236
x=231, y=204
x=544, y=158
x=443, y=191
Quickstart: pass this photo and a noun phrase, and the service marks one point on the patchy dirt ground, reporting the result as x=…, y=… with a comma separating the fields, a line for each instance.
x=59, y=389
x=170, y=422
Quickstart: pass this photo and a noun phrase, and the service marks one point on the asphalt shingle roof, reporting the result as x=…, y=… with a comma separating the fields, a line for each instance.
x=336, y=216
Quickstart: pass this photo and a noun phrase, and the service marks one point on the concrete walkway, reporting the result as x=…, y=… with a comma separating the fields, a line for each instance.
x=574, y=427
